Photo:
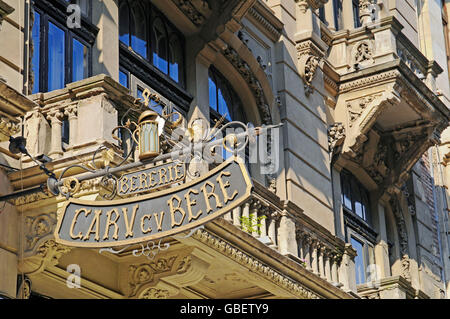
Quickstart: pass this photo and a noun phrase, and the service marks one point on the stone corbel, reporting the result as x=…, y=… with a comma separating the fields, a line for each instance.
x=310, y=58
x=158, y=278
x=47, y=254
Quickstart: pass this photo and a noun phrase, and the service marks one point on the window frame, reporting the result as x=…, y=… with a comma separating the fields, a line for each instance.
x=144, y=70
x=54, y=14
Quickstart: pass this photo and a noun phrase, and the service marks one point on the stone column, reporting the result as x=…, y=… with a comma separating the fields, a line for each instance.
x=272, y=232
x=55, y=117
x=237, y=216
x=307, y=241
x=327, y=256
x=365, y=12
x=254, y=220
x=320, y=252
x=263, y=228
x=335, y=259
x=347, y=275
x=72, y=114
x=314, y=257
x=246, y=213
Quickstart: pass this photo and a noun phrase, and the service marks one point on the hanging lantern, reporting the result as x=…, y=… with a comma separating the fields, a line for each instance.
x=148, y=137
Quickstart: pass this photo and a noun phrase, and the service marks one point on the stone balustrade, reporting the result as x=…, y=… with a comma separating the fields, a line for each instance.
x=285, y=229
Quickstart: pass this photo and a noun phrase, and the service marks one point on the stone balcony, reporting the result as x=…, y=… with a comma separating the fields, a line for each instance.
x=386, y=110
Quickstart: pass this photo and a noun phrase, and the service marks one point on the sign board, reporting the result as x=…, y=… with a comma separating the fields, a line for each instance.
x=150, y=178
x=99, y=224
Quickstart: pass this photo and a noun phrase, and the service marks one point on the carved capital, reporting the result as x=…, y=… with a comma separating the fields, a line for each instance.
x=55, y=116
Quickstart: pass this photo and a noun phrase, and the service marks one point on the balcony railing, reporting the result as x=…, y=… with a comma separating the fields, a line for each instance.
x=284, y=228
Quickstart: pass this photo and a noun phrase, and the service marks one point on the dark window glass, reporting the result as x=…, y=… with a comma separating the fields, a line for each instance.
x=79, y=61
x=356, y=21
x=124, y=25
x=56, y=57
x=355, y=197
x=36, y=51
x=359, y=261
x=322, y=14
x=65, y=131
x=175, y=58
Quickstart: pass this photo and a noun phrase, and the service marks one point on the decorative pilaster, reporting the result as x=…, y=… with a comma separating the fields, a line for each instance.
x=55, y=118
x=72, y=114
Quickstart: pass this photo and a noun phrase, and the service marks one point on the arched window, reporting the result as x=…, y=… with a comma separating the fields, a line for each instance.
x=223, y=100
x=148, y=33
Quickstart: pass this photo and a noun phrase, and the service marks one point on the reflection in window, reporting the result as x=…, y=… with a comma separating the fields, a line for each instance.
x=59, y=55
x=124, y=25
x=36, y=51
x=56, y=55
x=138, y=31
x=355, y=197
x=123, y=79
x=359, y=261
x=79, y=61
x=148, y=33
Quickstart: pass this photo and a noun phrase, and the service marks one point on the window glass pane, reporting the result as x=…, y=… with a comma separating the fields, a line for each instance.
x=123, y=79
x=159, y=44
x=36, y=50
x=359, y=261
x=356, y=21
x=346, y=192
x=56, y=54
x=124, y=24
x=138, y=32
x=175, y=55
x=212, y=94
x=223, y=107
x=79, y=61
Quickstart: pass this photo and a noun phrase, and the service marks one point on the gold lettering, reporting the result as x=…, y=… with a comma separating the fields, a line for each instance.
x=152, y=180
x=74, y=221
x=223, y=187
x=142, y=181
x=208, y=195
x=179, y=174
x=159, y=220
x=123, y=182
x=149, y=229
x=173, y=210
x=110, y=222
x=96, y=222
x=133, y=184
x=161, y=175
x=191, y=203
x=169, y=168
x=128, y=224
